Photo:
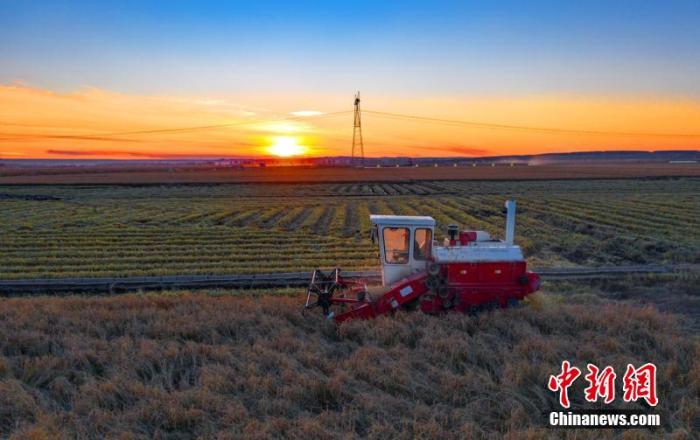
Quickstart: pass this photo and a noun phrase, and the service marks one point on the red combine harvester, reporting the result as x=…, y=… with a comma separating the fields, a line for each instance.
x=469, y=272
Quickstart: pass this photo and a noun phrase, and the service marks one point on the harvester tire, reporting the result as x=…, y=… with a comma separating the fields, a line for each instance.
x=432, y=283
x=433, y=269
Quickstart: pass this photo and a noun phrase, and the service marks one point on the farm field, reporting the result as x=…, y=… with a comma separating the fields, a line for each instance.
x=232, y=364
x=112, y=230
x=183, y=365
x=180, y=174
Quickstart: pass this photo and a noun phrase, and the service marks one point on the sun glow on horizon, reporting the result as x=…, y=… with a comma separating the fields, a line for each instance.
x=286, y=146
x=85, y=124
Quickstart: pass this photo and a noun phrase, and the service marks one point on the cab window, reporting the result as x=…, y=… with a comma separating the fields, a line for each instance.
x=422, y=243
x=396, y=245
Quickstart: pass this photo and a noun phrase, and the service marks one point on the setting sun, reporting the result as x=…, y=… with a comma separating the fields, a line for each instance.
x=286, y=146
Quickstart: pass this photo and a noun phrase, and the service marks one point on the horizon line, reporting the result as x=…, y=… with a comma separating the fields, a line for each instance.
x=342, y=157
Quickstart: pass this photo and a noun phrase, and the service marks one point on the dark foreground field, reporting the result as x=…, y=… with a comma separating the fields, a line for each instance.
x=184, y=365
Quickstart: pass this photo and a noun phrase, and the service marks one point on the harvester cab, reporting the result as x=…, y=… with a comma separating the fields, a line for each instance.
x=467, y=272
x=405, y=244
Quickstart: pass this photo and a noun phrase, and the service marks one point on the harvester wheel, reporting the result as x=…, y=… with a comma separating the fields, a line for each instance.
x=433, y=269
x=432, y=283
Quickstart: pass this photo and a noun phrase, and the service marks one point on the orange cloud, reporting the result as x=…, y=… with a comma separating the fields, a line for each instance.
x=97, y=123
x=122, y=154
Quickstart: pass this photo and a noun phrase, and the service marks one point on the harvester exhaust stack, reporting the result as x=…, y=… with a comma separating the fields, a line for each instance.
x=510, y=221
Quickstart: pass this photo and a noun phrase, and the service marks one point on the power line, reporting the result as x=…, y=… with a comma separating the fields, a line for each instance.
x=521, y=127
x=398, y=116
x=102, y=136
x=233, y=124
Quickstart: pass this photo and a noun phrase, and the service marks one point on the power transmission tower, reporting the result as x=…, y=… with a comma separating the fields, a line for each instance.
x=358, y=148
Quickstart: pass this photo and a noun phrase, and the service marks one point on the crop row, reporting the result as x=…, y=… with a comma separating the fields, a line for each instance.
x=121, y=231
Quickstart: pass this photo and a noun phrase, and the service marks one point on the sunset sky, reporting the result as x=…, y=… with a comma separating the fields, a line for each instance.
x=109, y=79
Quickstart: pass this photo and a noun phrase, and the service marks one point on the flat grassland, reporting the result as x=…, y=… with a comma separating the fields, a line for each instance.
x=112, y=230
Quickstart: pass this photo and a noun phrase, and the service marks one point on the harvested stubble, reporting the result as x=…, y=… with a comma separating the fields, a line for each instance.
x=187, y=365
